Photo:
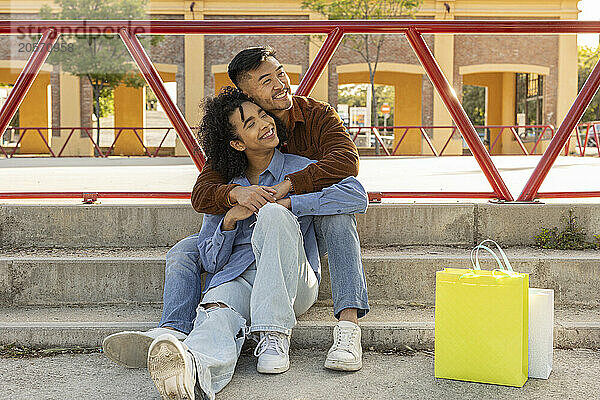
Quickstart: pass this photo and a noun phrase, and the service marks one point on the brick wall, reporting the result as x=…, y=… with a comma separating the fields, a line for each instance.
x=395, y=49
x=511, y=49
x=220, y=49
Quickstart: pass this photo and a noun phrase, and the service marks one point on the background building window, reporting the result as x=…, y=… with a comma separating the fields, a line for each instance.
x=529, y=105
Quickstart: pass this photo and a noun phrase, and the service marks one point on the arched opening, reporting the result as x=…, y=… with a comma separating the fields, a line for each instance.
x=514, y=96
x=35, y=111
x=407, y=82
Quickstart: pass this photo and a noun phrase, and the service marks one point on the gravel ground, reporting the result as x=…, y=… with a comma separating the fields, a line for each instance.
x=384, y=376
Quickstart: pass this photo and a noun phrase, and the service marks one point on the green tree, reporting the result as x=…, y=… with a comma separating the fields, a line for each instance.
x=588, y=58
x=102, y=59
x=474, y=103
x=368, y=47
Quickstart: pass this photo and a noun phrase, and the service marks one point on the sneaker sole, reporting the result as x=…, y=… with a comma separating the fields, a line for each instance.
x=277, y=370
x=343, y=366
x=166, y=365
x=129, y=349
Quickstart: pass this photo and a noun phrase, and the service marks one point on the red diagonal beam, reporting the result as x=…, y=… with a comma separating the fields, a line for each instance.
x=309, y=80
x=26, y=77
x=158, y=87
x=459, y=116
x=562, y=135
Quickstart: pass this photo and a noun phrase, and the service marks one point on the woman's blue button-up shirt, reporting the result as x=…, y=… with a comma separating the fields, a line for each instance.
x=226, y=254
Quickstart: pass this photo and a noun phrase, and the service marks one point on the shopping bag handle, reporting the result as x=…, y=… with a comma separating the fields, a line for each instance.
x=475, y=261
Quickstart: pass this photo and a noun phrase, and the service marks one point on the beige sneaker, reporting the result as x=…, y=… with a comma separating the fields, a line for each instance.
x=172, y=369
x=130, y=348
x=273, y=353
x=346, y=352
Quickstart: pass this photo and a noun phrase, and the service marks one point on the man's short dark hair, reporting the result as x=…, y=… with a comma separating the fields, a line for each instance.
x=247, y=60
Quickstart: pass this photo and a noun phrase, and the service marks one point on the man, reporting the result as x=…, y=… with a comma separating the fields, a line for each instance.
x=316, y=132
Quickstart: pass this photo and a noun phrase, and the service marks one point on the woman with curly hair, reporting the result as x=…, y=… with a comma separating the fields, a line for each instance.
x=263, y=269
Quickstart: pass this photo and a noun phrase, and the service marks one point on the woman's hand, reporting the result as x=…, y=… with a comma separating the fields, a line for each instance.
x=252, y=197
x=235, y=214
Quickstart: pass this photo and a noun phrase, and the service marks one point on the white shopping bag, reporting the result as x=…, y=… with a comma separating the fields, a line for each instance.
x=541, y=317
x=541, y=329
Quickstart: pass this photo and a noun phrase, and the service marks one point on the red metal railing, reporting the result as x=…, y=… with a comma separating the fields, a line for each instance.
x=335, y=30
x=499, y=130
x=590, y=128
x=154, y=150
x=89, y=133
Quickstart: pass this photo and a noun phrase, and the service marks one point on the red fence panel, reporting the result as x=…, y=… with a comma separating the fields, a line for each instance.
x=413, y=29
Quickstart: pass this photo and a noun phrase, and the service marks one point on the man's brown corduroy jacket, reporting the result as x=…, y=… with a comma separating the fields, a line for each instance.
x=316, y=132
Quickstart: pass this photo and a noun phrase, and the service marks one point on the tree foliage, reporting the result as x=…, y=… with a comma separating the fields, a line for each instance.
x=588, y=58
x=100, y=58
x=474, y=103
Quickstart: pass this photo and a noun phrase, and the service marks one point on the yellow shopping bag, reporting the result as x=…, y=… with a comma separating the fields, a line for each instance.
x=481, y=324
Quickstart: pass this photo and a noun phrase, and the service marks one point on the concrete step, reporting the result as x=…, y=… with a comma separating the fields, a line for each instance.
x=453, y=224
x=386, y=327
x=133, y=275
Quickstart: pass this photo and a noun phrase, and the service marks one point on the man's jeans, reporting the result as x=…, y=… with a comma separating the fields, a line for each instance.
x=336, y=236
x=268, y=296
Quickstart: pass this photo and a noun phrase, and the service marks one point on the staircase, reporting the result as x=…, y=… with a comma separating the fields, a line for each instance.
x=72, y=274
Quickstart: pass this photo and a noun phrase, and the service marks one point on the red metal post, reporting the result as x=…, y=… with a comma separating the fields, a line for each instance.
x=399, y=141
x=153, y=78
x=39, y=130
x=141, y=142
x=309, y=80
x=161, y=142
x=564, y=131
x=96, y=145
x=519, y=141
x=27, y=76
x=596, y=138
x=376, y=134
x=448, y=141
x=539, y=140
x=95, y=195
x=426, y=137
x=458, y=114
x=65, y=144
x=567, y=195
x=431, y=195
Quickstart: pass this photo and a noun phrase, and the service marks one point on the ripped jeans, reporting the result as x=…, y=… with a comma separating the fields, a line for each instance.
x=268, y=296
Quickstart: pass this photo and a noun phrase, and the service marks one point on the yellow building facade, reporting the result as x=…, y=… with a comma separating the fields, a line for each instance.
x=415, y=102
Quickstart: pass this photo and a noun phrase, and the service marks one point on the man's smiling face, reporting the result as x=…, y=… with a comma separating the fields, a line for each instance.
x=268, y=85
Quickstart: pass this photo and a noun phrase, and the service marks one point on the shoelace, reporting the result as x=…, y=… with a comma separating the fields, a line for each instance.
x=270, y=343
x=344, y=339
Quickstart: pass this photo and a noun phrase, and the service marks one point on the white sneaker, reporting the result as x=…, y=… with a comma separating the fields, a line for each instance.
x=273, y=353
x=130, y=348
x=346, y=352
x=172, y=368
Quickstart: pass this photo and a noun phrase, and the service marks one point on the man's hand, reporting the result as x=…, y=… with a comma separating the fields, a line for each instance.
x=287, y=203
x=235, y=214
x=252, y=197
x=282, y=189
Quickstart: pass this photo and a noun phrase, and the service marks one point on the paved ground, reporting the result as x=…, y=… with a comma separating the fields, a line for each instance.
x=376, y=174
x=384, y=376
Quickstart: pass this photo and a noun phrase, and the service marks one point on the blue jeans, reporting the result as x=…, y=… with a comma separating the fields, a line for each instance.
x=336, y=235
x=268, y=296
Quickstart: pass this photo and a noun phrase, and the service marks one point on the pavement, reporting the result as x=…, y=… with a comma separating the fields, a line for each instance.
x=452, y=173
x=384, y=376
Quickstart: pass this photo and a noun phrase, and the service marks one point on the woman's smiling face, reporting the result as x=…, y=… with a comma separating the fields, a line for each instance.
x=255, y=128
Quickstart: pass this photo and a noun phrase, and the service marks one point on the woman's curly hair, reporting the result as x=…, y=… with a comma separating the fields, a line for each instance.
x=215, y=133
